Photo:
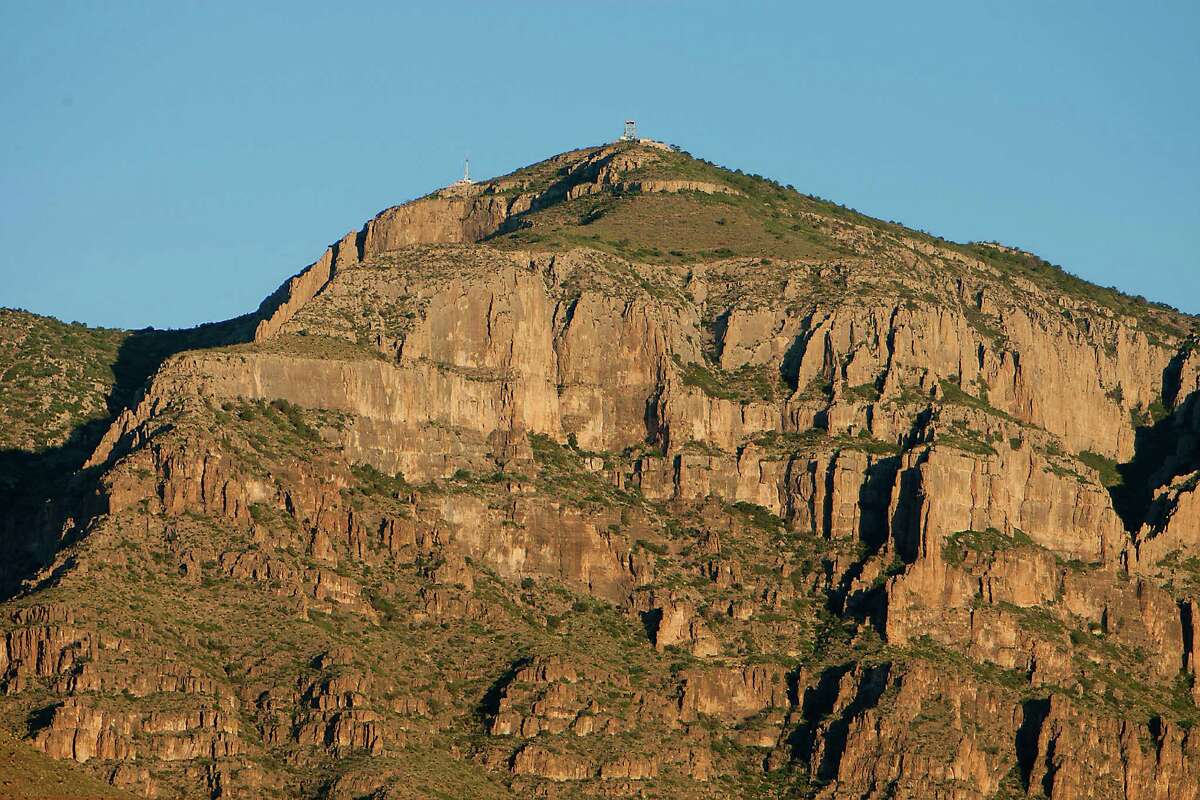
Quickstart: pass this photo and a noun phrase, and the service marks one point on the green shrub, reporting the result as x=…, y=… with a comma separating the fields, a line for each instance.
x=1110, y=474
x=986, y=543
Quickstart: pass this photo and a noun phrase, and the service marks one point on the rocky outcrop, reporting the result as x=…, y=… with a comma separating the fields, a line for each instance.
x=543, y=763
x=283, y=304
x=735, y=692
x=81, y=731
x=467, y=214
x=946, y=501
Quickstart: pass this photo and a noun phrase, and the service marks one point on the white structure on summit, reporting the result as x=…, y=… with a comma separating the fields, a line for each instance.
x=466, y=178
x=631, y=135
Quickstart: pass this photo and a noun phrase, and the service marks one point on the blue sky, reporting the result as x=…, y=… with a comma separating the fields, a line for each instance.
x=171, y=163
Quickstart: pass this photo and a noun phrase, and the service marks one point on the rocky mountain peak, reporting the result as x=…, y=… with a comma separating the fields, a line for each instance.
x=620, y=475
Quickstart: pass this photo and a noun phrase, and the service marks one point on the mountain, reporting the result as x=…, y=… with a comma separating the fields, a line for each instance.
x=622, y=475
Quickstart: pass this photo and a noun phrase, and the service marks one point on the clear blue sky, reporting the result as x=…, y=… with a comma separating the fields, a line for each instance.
x=170, y=163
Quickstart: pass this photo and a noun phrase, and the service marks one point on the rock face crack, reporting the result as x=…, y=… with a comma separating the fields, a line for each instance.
x=871, y=686
x=1051, y=766
x=815, y=706
x=1033, y=717
x=1187, y=623
x=489, y=704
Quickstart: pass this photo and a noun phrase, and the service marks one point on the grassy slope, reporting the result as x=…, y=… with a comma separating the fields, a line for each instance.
x=27, y=774
x=766, y=219
x=56, y=376
x=61, y=379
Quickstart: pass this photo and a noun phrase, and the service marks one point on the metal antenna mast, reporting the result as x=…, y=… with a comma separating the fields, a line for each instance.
x=466, y=178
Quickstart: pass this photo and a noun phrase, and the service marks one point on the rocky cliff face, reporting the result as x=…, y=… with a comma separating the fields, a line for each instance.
x=625, y=475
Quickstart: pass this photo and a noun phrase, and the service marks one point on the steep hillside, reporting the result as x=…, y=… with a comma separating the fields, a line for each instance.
x=63, y=385
x=26, y=774
x=627, y=475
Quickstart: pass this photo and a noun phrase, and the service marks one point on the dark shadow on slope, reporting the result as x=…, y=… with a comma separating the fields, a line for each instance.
x=556, y=192
x=820, y=728
x=873, y=500
x=40, y=718
x=1033, y=716
x=489, y=704
x=1165, y=447
x=46, y=497
x=815, y=705
x=870, y=688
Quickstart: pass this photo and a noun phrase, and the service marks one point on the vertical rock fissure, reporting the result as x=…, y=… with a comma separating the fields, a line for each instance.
x=1155, y=727
x=905, y=527
x=1033, y=717
x=870, y=689
x=716, y=334
x=873, y=500
x=827, y=500
x=651, y=622
x=1051, y=767
x=878, y=480
x=789, y=365
x=1186, y=624
x=1157, y=457
x=489, y=704
x=816, y=704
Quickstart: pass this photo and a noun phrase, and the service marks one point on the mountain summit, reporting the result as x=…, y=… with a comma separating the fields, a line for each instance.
x=622, y=475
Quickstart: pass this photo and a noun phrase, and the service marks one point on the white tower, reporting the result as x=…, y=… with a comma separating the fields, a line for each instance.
x=466, y=178
x=630, y=134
